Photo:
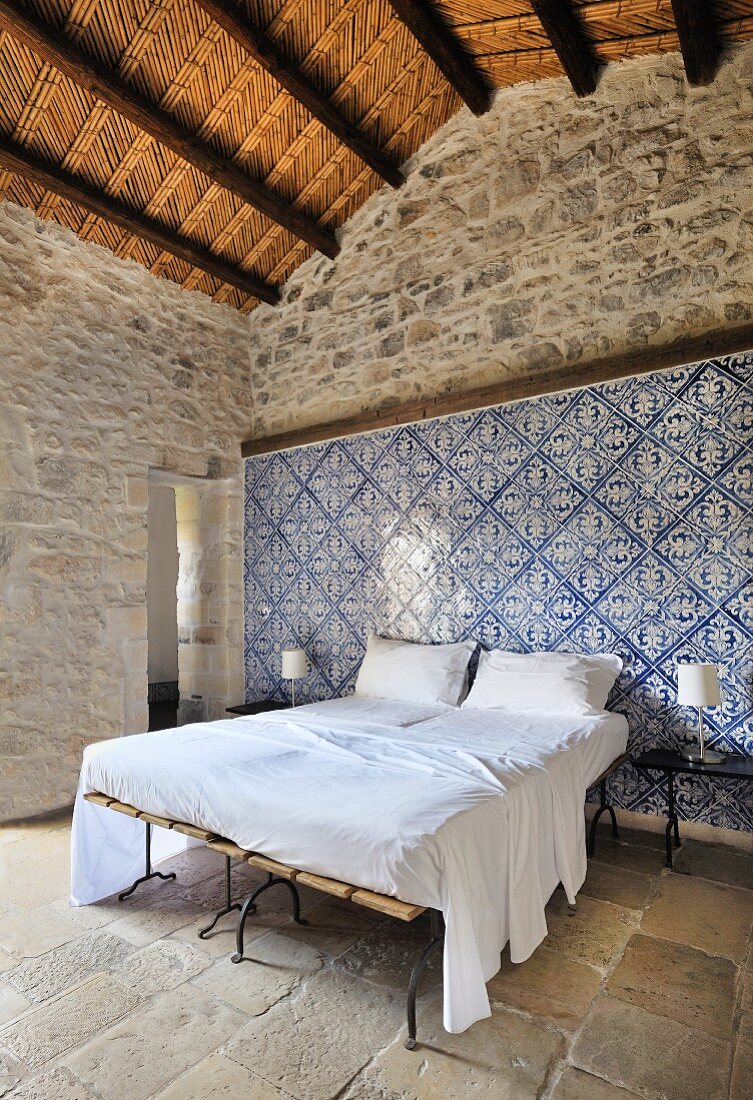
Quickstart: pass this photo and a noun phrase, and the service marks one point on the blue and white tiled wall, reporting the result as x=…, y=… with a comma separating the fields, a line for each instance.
x=611, y=518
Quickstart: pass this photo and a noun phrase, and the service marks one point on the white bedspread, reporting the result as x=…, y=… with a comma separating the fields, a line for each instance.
x=479, y=820
x=387, y=712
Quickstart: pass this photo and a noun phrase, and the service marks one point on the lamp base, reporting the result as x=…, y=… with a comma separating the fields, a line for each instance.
x=708, y=757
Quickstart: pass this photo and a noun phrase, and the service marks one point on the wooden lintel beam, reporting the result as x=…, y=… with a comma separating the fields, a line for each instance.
x=699, y=39
x=552, y=380
x=153, y=120
x=265, y=52
x=563, y=29
x=14, y=158
x=447, y=53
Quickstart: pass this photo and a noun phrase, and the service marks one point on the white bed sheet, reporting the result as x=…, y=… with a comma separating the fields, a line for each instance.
x=388, y=712
x=601, y=738
x=604, y=743
x=409, y=812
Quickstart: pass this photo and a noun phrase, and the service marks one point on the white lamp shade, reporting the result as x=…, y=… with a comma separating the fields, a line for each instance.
x=698, y=685
x=294, y=664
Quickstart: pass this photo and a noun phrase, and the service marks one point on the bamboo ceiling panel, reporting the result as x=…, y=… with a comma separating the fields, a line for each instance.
x=358, y=53
x=510, y=43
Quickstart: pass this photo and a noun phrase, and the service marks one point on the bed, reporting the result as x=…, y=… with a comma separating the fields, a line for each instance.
x=398, y=799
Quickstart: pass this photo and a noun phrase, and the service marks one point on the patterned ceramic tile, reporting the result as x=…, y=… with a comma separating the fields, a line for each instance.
x=612, y=518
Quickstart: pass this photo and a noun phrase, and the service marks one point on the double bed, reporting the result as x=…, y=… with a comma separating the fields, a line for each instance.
x=476, y=815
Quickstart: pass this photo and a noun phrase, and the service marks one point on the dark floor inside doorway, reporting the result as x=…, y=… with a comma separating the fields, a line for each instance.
x=163, y=716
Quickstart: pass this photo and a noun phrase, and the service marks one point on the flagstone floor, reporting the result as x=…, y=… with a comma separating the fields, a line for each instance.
x=644, y=990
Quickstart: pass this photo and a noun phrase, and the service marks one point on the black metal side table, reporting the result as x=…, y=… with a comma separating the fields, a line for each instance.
x=733, y=767
x=261, y=707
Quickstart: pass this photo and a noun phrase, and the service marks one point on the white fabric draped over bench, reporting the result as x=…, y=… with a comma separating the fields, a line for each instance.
x=477, y=815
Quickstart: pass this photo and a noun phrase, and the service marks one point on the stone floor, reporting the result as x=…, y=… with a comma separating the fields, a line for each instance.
x=646, y=989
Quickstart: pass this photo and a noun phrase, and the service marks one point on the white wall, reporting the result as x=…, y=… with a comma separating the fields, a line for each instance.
x=161, y=581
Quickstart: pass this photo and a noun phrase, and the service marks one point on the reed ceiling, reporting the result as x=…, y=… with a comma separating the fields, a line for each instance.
x=227, y=129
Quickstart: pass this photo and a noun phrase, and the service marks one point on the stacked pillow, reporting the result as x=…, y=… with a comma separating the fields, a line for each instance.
x=414, y=673
x=544, y=683
x=534, y=683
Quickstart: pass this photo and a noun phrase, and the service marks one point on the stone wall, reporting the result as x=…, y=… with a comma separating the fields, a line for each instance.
x=106, y=372
x=551, y=230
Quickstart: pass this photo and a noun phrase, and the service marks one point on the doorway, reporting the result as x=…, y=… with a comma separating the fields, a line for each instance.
x=162, y=606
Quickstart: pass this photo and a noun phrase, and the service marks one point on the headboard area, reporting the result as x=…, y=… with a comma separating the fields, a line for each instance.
x=615, y=518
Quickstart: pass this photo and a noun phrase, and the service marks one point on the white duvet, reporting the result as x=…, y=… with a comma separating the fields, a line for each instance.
x=478, y=815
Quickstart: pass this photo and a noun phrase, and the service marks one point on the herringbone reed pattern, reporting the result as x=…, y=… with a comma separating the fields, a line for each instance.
x=357, y=51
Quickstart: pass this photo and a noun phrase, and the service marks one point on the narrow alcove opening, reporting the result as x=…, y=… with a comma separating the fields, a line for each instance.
x=162, y=606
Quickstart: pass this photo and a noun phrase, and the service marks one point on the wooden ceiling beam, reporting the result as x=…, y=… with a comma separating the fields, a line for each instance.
x=447, y=53
x=14, y=158
x=699, y=39
x=153, y=120
x=565, y=32
x=266, y=53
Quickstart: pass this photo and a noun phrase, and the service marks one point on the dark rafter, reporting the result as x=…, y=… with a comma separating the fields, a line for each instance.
x=699, y=41
x=14, y=158
x=264, y=51
x=117, y=95
x=446, y=52
x=564, y=31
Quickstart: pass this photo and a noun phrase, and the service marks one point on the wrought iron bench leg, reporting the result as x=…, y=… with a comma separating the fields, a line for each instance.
x=249, y=906
x=229, y=906
x=604, y=805
x=149, y=873
x=437, y=937
x=673, y=824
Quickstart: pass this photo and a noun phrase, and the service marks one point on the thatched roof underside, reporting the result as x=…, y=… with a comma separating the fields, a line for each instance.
x=358, y=53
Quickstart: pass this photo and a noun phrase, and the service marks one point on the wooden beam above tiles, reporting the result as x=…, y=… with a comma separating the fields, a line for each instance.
x=563, y=29
x=699, y=39
x=447, y=53
x=552, y=380
x=14, y=158
x=109, y=89
x=265, y=52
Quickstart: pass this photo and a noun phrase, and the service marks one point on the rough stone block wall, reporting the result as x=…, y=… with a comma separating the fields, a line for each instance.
x=551, y=230
x=105, y=372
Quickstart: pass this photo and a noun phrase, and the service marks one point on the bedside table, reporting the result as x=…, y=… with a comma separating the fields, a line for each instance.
x=260, y=707
x=734, y=766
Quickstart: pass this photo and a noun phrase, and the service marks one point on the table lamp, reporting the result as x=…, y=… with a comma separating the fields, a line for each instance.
x=294, y=667
x=698, y=686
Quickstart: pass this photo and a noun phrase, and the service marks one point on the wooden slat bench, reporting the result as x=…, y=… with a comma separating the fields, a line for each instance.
x=280, y=874
x=381, y=903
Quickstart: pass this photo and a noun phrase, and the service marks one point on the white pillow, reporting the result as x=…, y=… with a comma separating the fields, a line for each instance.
x=414, y=673
x=544, y=683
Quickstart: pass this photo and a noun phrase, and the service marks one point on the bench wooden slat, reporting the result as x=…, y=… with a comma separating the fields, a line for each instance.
x=271, y=865
x=391, y=907
x=193, y=830
x=124, y=808
x=155, y=819
x=219, y=844
x=326, y=885
x=99, y=799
